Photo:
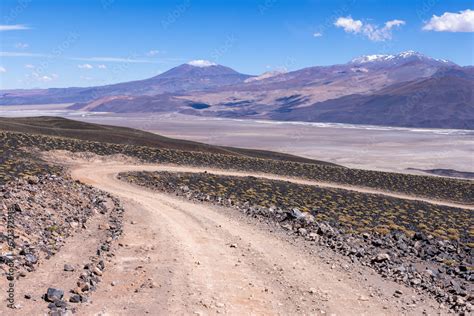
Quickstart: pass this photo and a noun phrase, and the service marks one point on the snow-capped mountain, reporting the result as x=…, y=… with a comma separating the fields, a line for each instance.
x=403, y=57
x=364, y=90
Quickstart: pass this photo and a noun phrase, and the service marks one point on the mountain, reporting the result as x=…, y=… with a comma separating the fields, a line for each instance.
x=195, y=75
x=444, y=100
x=410, y=56
x=405, y=89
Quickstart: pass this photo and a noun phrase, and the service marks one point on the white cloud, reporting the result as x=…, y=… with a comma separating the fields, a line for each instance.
x=152, y=53
x=317, y=34
x=201, y=63
x=21, y=54
x=85, y=66
x=392, y=23
x=93, y=59
x=349, y=24
x=371, y=31
x=102, y=66
x=13, y=27
x=29, y=66
x=2, y=69
x=42, y=78
x=22, y=45
x=113, y=59
x=451, y=22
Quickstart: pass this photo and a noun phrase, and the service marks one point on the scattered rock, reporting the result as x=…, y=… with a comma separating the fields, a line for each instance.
x=75, y=298
x=68, y=267
x=381, y=257
x=53, y=295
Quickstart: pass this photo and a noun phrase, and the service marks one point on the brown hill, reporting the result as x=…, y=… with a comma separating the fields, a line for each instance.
x=61, y=127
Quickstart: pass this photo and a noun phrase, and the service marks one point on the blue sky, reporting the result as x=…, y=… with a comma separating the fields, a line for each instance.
x=83, y=43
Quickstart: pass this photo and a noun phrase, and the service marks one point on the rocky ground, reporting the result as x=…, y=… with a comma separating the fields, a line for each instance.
x=441, y=267
x=354, y=211
x=47, y=211
x=454, y=190
x=66, y=231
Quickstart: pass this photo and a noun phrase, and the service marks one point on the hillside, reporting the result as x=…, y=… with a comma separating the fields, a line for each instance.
x=56, y=126
x=444, y=100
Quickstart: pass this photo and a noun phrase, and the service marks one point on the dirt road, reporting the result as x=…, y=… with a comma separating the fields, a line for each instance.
x=181, y=258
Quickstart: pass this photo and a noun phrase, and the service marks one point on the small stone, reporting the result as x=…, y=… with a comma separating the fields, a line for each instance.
x=381, y=257
x=233, y=246
x=296, y=213
x=302, y=231
x=97, y=271
x=416, y=282
x=53, y=294
x=68, y=267
x=397, y=293
x=287, y=226
x=31, y=258
x=363, y=298
x=32, y=179
x=76, y=298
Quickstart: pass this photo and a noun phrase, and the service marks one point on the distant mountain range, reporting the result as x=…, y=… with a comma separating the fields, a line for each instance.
x=408, y=89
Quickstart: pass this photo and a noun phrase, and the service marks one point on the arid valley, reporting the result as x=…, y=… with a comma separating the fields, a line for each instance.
x=183, y=157
x=367, y=147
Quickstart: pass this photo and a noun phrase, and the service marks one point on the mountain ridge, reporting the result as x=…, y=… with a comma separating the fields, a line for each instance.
x=373, y=83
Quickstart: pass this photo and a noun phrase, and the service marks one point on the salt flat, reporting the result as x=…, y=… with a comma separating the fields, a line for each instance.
x=367, y=147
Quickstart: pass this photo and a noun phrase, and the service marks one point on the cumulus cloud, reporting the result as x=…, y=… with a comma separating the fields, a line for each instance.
x=317, y=34
x=349, y=24
x=451, y=22
x=13, y=27
x=2, y=69
x=85, y=66
x=29, y=66
x=371, y=31
x=102, y=66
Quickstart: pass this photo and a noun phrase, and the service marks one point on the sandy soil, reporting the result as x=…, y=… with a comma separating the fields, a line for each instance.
x=177, y=257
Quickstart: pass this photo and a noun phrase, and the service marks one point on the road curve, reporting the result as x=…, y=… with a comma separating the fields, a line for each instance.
x=173, y=168
x=180, y=258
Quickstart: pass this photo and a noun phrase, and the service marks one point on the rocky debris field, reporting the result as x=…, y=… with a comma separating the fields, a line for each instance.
x=16, y=162
x=46, y=210
x=406, y=251
x=354, y=211
x=455, y=190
